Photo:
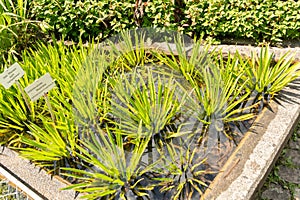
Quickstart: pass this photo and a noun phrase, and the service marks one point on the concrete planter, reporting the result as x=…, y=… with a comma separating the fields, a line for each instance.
x=240, y=177
x=33, y=181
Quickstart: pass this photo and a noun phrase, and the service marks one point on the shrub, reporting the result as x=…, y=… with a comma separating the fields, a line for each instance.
x=257, y=20
x=261, y=21
x=84, y=19
x=160, y=13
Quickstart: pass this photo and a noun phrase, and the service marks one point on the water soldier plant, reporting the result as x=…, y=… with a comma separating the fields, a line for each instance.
x=139, y=123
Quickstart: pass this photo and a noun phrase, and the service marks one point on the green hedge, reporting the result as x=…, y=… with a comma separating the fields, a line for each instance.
x=89, y=18
x=261, y=20
x=258, y=20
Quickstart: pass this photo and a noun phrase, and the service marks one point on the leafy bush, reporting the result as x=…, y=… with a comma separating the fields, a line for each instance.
x=257, y=20
x=261, y=21
x=160, y=13
x=84, y=19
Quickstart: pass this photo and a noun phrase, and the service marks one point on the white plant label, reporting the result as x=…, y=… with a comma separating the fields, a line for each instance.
x=40, y=87
x=11, y=75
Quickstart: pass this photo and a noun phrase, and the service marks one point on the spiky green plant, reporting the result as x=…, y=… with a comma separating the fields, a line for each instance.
x=90, y=92
x=182, y=170
x=63, y=64
x=266, y=76
x=17, y=30
x=111, y=171
x=184, y=61
x=51, y=145
x=13, y=115
x=129, y=49
x=152, y=98
x=48, y=143
x=221, y=95
x=219, y=91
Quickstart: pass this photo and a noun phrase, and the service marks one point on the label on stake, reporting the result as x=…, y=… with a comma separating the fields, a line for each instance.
x=40, y=87
x=11, y=75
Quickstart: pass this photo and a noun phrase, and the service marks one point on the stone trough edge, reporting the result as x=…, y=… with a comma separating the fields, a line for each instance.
x=33, y=179
x=263, y=155
x=246, y=169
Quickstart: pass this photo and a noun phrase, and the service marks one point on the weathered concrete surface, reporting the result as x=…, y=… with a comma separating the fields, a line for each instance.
x=289, y=174
x=45, y=186
x=287, y=170
x=294, y=156
x=246, y=169
x=231, y=49
x=276, y=192
x=297, y=194
x=245, y=50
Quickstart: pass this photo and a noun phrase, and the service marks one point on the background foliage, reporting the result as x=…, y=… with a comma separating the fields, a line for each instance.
x=85, y=19
x=23, y=22
x=259, y=21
